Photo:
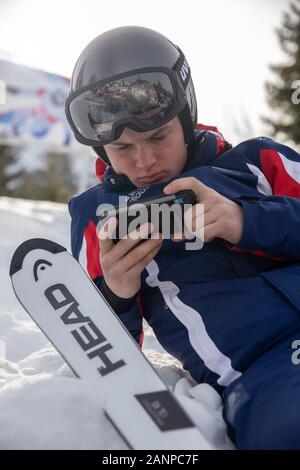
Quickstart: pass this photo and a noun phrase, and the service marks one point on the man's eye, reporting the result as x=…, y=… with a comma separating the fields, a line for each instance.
x=128, y=146
x=124, y=147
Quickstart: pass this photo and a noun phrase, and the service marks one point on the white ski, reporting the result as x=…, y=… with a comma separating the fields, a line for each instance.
x=66, y=305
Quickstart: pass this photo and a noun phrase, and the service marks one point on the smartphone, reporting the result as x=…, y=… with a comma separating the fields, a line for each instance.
x=165, y=212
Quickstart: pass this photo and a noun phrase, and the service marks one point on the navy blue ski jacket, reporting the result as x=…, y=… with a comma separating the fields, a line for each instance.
x=218, y=308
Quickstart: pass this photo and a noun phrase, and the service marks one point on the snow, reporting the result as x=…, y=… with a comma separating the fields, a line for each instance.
x=42, y=404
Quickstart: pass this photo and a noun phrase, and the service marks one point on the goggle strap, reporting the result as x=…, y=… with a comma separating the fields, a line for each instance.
x=183, y=69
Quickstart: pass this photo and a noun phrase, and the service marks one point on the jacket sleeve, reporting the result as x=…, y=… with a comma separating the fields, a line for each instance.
x=126, y=309
x=86, y=249
x=272, y=220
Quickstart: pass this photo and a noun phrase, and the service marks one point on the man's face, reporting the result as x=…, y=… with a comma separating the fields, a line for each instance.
x=149, y=157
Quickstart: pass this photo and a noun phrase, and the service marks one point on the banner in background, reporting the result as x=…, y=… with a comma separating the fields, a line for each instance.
x=32, y=107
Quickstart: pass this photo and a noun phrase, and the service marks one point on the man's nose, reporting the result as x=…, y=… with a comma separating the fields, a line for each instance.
x=145, y=158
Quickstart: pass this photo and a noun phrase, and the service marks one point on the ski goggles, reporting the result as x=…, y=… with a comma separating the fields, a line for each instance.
x=142, y=100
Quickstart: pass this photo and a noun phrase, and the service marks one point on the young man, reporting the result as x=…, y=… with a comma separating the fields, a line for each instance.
x=229, y=311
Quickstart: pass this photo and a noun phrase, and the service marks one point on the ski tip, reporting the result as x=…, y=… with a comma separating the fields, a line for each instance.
x=29, y=245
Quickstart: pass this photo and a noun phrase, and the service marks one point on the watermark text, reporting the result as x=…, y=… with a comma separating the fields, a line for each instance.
x=296, y=93
x=174, y=221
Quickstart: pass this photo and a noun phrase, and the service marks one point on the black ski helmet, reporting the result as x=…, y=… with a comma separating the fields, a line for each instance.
x=132, y=62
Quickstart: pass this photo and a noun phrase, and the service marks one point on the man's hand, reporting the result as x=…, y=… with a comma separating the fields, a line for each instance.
x=223, y=218
x=123, y=263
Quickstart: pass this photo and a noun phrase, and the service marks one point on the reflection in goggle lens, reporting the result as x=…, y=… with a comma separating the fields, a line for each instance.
x=143, y=99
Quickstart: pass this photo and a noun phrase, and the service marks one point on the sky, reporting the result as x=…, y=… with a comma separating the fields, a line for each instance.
x=229, y=45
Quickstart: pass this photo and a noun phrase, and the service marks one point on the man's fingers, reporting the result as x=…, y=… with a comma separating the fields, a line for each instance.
x=194, y=220
x=129, y=241
x=143, y=262
x=105, y=234
x=125, y=244
x=178, y=237
x=199, y=188
x=210, y=232
x=137, y=254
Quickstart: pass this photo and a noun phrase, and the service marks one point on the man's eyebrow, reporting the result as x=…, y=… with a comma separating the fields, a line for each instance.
x=158, y=131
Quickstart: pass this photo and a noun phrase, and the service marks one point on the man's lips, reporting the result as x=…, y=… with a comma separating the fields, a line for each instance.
x=151, y=178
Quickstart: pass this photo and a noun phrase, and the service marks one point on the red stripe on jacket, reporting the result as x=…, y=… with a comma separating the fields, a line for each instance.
x=253, y=252
x=92, y=250
x=274, y=170
x=282, y=184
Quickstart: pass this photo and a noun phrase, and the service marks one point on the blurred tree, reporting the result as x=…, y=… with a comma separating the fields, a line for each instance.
x=55, y=182
x=284, y=93
x=9, y=175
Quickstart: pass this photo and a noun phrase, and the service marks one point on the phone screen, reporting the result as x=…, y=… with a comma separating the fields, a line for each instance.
x=166, y=213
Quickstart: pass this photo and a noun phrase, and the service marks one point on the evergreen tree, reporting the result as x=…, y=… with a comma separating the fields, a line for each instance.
x=9, y=175
x=284, y=93
x=53, y=183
